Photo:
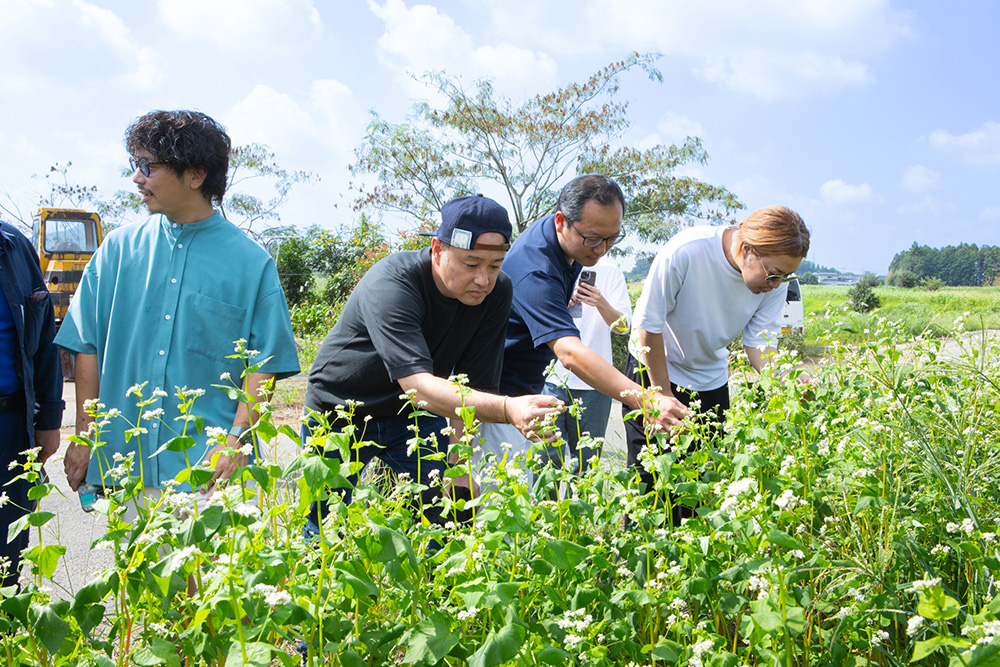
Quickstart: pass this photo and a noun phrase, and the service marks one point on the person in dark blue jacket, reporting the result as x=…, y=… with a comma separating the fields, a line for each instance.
x=31, y=404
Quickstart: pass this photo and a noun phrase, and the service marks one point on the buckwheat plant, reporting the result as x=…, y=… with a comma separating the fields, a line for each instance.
x=852, y=522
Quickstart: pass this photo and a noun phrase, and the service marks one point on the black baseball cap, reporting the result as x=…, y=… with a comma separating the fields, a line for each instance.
x=464, y=219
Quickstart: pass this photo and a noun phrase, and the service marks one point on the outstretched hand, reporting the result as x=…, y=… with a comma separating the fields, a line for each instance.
x=670, y=412
x=75, y=463
x=528, y=414
x=225, y=465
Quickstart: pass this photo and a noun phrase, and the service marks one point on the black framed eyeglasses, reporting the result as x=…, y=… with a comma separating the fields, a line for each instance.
x=775, y=279
x=142, y=165
x=594, y=241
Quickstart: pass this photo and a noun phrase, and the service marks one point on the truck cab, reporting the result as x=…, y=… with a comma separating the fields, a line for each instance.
x=792, y=315
x=65, y=240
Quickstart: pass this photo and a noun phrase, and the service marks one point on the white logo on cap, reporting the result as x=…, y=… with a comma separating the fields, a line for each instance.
x=461, y=238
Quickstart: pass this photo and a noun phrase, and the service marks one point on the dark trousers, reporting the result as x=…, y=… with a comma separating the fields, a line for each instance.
x=714, y=403
x=13, y=441
x=593, y=419
x=393, y=435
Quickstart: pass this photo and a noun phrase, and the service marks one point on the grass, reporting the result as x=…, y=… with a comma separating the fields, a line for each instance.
x=917, y=310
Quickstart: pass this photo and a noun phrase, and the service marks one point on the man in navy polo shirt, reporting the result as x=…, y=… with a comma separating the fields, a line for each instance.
x=31, y=404
x=543, y=266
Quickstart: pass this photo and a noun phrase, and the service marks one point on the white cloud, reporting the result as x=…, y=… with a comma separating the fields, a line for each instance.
x=675, y=128
x=769, y=48
x=980, y=146
x=69, y=46
x=754, y=187
x=421, y=38
x=269, y=117
x=672, y=128
x=317, y=130
x=918, y=178
x=839, y=192
x=931, y=206
x=314, y=132
x=768, y=75
x=269, y=26
x=990, y=214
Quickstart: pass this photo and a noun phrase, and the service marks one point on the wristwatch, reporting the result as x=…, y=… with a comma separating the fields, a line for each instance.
x=244, y=435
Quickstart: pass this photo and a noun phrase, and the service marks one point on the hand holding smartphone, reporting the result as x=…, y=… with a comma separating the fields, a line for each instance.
x=587, y=277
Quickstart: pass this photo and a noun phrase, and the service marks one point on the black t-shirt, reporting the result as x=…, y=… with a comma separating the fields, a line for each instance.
x=396, y=323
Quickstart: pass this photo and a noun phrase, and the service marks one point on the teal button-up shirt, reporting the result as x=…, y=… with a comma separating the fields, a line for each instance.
x=163, y=303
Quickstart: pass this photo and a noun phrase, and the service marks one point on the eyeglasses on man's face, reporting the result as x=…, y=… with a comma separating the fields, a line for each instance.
x=775, y=278
x=594, y=241
x=142, y=165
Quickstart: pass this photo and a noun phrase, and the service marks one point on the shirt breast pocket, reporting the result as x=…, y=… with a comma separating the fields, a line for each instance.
x=36, y=308
x=212, y=326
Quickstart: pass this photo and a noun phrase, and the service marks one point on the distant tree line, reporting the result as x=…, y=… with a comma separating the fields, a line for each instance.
x=962, y=265
x=641, y=267
x=808, y=270
x=808, y=266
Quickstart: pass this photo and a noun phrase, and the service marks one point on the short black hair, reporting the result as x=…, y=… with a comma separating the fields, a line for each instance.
x=575, y=195
x=184, y=140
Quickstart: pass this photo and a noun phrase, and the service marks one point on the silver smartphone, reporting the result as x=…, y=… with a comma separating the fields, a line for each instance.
x=588, y=277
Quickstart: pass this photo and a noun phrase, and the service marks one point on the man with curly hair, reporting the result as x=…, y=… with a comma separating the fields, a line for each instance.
x=159, y=308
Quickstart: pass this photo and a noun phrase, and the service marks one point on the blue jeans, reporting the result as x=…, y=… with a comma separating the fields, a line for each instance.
x=392, y=434
x=594, y=419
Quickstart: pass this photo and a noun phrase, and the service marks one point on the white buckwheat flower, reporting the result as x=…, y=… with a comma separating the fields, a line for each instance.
x=925, y=584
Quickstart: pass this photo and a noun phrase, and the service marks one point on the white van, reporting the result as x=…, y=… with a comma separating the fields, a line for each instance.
x=792, y=316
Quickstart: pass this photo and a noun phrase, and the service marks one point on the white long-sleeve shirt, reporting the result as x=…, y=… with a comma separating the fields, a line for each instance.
x=594, y=331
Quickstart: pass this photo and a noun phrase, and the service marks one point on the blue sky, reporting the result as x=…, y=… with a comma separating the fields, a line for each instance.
x=878, y=121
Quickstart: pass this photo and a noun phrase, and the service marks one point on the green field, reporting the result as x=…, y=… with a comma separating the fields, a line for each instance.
x=828, y=316
x=917, y=309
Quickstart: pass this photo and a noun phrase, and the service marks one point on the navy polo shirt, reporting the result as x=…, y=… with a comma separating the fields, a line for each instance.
x=543, y=281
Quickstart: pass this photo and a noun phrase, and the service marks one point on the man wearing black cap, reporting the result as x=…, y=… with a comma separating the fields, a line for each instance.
x=413, y=321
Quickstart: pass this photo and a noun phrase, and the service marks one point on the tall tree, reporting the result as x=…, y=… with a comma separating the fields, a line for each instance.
x=529, y=149
x=255, y=162
x=59, y=192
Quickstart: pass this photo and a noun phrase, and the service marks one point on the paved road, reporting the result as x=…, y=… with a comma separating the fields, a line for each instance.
x=71, y=527
x=77, y=530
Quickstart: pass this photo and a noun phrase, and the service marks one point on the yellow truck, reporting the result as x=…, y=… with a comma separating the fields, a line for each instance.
x=65, y=239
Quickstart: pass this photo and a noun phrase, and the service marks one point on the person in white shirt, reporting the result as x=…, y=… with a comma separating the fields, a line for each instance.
x=706, y=287
x=606, y=309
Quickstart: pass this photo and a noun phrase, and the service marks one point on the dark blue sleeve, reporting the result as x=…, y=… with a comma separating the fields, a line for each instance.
x=39, y=332
x=541, y=302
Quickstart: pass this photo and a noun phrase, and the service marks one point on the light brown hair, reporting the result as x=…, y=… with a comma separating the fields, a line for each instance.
x=772, y=231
